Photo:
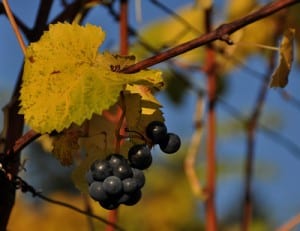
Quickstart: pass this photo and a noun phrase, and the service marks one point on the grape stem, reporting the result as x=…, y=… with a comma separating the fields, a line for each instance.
x=138, y=134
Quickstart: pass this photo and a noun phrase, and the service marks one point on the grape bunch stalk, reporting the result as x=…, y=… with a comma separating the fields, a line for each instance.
x=118, y=180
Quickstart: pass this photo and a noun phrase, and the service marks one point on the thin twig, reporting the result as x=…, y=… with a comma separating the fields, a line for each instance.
x=14, y=25
x=66, y=205
x=252, y=126
x=290, y=224
x=25, y=187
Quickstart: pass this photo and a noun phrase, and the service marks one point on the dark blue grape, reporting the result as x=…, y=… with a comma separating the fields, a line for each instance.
x=123, y=170
x=139, y=176
x=133, y=198
x=97, y=192
x=170, y=144
x=129, y=185
x=140, y=156
x=109, y=204
x=123, y=198
x=156, y=131
x=101, y=169
x=112, y=185
x=115, y=160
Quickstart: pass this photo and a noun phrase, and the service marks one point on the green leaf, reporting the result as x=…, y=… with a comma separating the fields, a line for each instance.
x=66, y=80
x=281, y=73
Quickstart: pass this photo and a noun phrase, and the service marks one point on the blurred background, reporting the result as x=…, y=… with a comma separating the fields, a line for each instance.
x=241, y=73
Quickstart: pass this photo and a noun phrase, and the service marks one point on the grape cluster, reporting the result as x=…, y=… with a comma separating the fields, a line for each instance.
x=113, y=181
x=117, y=180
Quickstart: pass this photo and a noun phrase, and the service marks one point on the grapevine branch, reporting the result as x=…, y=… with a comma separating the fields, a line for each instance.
x=250, y=156
x=254, y=73
x=210, y=71
x=220, y=33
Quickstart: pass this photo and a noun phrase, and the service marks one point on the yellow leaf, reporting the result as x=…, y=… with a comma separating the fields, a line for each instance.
x=281, y=73
x=149, y=102
x=66, y=80
x=141, y=108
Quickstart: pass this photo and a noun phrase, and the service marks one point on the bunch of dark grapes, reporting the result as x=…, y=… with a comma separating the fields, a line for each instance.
x=113, y=182
x=117, y=180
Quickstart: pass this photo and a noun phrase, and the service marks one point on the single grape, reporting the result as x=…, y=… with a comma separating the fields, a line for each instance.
x=129, y=185
x=133, y=198
x=170, y=144
x=115, y=160
x=140, y=156
x=156, y=131
x=123, y=170
x=112, y=185
x=89, y=177
x=97, y=192
x=109, y=204
x=123, y=198
x=101, y=170
x=139, y=176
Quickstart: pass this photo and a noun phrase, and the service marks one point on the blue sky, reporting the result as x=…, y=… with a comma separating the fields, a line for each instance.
x=281, y=191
